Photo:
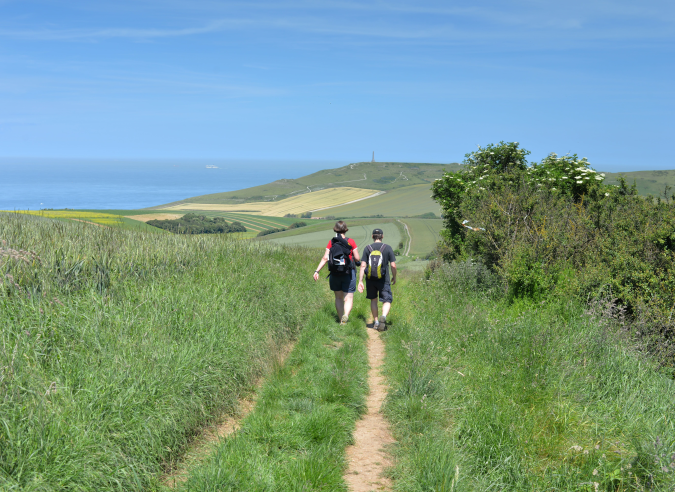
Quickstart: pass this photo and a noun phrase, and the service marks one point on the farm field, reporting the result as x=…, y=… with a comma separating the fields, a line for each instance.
x=361, y=233
x=425, y=234
x=403, y=202
x=295, y=205
x=368, y=175
x=261, y=222
x=92, y=217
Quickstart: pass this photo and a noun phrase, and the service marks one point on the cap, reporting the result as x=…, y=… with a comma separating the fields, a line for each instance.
x=378, y=232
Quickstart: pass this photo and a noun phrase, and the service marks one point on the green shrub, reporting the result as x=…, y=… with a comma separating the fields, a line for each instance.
x=265, y=232
x=295, y=225
x=555, y=229
x=197, y=224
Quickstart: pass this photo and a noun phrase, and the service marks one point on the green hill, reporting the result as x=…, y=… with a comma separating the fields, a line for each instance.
x=404, y=202
x=369, y=175
x=647, y=182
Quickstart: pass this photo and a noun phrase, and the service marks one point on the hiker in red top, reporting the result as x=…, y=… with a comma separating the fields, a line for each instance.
x=342, y=257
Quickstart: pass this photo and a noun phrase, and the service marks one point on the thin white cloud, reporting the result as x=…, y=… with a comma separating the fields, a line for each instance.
x=106, y=33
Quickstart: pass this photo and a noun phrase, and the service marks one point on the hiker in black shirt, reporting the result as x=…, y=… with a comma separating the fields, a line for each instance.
x=376, y=258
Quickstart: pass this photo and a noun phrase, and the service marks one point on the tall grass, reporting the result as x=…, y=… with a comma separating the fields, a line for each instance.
x=491, y=395
x=117, y=346
x=295, y=439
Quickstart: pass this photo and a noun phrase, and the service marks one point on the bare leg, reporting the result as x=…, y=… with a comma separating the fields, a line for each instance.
x=348, y=303
x=340, y=303
x=386, y=306
x=373, y=308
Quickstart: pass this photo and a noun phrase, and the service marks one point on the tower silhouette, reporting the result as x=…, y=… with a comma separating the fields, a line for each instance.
x=373, y=156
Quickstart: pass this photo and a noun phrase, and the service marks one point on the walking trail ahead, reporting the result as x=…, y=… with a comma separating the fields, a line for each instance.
x=367, y=458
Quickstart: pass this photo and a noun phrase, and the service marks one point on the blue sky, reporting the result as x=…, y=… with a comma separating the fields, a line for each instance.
x=421, y=81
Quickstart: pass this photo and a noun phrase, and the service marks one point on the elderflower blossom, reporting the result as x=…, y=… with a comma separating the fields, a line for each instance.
x=579, y=182
x=598, y=178
x=606, y=194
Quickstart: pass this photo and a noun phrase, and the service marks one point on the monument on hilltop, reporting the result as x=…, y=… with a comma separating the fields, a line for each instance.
x=373, y=156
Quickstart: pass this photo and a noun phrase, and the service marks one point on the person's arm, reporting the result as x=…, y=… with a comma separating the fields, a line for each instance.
x=361, y=272
x=392, y=262
x=357, y=257
x=323, y=261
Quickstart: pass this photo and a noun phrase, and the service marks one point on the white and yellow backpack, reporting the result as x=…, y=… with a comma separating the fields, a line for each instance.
x=374, y=268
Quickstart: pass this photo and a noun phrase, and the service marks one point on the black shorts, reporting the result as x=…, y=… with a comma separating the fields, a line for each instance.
x=379, y=288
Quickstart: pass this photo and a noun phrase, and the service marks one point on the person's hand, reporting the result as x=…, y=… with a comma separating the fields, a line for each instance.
x=360, y=287
x=393, y=281
x=316, y=275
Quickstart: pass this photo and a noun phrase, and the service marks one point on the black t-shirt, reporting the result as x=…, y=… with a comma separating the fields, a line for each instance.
x=387, y=257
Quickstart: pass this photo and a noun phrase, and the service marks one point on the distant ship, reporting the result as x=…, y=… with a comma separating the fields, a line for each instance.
x=211, y=166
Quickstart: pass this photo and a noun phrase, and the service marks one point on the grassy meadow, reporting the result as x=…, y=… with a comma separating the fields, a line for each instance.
x=648, y=182
x=490, y=395
x=425, y=234
x=118, y=346
x=403, y=202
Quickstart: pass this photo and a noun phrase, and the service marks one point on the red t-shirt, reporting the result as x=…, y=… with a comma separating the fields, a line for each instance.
x=351, y=242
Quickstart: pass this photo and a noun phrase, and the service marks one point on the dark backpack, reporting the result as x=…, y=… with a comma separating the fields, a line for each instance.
x=338, y=256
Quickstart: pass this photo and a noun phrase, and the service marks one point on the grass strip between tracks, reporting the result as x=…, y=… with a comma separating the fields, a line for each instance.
x=303, y=420
x=490, y=396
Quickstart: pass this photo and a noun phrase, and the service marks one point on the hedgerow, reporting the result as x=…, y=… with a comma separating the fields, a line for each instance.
x=554, y=228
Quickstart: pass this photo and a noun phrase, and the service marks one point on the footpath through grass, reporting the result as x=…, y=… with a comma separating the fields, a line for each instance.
x=117, y=347
x=304, y=418
x=489, y=396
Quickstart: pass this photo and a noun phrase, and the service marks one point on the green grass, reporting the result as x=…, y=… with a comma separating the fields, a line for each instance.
x=118, y=346
x=490, y=396
x=361, y=233
x=379, y=176
x=403, y=202
x=647, y=182
x=425, y=235
x=304, y=417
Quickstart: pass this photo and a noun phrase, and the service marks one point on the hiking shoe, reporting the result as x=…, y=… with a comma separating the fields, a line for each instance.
x=376, y=325
x=344, y=320
x=383, y=324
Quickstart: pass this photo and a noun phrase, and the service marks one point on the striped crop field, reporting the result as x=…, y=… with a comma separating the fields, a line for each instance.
x=257, y=222
x=425, y=234
x=402, y=202
x=308, y=202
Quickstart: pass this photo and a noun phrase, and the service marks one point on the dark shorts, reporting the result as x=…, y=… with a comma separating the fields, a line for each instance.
x=379, y=288
x=345, y=283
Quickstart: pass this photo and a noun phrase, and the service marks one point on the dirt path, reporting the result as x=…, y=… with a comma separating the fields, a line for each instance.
x=406, y=251
x=205, y=444
x=367, y=458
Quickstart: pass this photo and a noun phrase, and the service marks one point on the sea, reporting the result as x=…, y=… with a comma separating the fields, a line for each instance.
x=33, y=184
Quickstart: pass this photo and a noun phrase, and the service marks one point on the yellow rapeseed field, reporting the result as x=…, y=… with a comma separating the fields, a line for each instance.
x=96, y=217
x=308, y=202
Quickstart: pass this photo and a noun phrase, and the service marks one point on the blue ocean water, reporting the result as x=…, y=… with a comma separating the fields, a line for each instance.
x=130, y=184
